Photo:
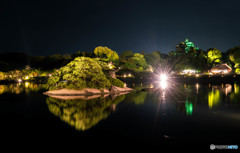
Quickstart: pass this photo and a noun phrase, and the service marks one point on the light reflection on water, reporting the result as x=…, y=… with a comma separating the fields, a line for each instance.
x=85, y=114
x=19, y=88
x=192, y=95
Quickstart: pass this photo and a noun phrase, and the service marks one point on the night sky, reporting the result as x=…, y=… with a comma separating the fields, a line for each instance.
x=50, y=27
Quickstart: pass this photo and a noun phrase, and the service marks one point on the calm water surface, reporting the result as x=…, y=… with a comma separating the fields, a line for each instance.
x=182, y=114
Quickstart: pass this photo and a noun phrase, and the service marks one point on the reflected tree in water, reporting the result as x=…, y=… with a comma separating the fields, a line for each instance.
x=213, y=98
x=137, y=97
x=83, y=114
x=19, y=88
x=235, y=96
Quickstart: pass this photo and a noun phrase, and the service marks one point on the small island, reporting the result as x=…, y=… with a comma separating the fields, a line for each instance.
x=85, y=76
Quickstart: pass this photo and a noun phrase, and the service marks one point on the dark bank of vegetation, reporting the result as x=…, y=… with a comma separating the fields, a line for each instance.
x=63, y=69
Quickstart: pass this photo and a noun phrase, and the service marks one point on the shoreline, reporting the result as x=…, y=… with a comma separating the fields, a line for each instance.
x=87, y=91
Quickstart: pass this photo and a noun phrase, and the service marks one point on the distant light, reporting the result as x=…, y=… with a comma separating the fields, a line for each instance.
x=19, y=80
x=110, y=65
x=50, y=74
x=151, y=86
x=163, y=84
x=189, y=71
x=27, y=77
x=197, y=85
x=197, y=75
x=129, y=74
x=124, y=75
x=26, y=84
x=163, y=81
x=163, y=77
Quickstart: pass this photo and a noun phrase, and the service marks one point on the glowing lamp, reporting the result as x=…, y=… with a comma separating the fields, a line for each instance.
x=163, y=81
x=163, y=84
x=26, y=84
x=163, y=77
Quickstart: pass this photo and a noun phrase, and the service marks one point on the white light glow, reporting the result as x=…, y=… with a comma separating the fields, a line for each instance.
x=163, y=84
x=189, y=71
x=163, y=81
x=163, y=77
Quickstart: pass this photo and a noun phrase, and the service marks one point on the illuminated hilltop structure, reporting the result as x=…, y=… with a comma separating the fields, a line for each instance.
x=185, y=47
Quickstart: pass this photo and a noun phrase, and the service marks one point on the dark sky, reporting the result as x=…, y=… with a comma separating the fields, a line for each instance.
x=40, y=27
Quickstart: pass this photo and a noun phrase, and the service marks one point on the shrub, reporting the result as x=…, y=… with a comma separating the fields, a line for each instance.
x=116, y=82
x=80, y=73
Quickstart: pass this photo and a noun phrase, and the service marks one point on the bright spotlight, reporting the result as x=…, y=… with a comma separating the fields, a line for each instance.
x=163, y=84
x=163, y=77
x=163, y=81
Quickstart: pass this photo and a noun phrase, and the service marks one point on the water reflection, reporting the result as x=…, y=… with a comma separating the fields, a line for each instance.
x=236, y=89
x=83, y=114
x=213, y=97
x=188, y=107
x=216, y=95
x=19, y=88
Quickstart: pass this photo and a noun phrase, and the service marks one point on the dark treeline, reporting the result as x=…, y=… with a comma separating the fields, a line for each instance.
x=18, y=60
x=185, y=56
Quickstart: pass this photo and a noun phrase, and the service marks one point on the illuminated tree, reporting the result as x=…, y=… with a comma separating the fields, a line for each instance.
x=154, y=59
x=214, y=56
x=106, y=53
x=2, y=76
x=185, y=47
x=139, y=61
x=234, y=56
x=80, y=73
x=126, y=55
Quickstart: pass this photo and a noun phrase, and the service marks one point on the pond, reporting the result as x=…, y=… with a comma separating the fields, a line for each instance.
x=182, y=114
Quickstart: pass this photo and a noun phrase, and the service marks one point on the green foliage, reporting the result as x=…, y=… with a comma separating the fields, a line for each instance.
x=126, y=55
x=82, y=114
x=140, y=98
x=234, y=54
x=106, y=53
x=139, y=60
x=103, y=64
x=234, y=57
x=80, y=73
x=214, y=56
x=2, y=75
x=190, y=61
x=154, y=59
x=237, y=70
x=116, y=82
